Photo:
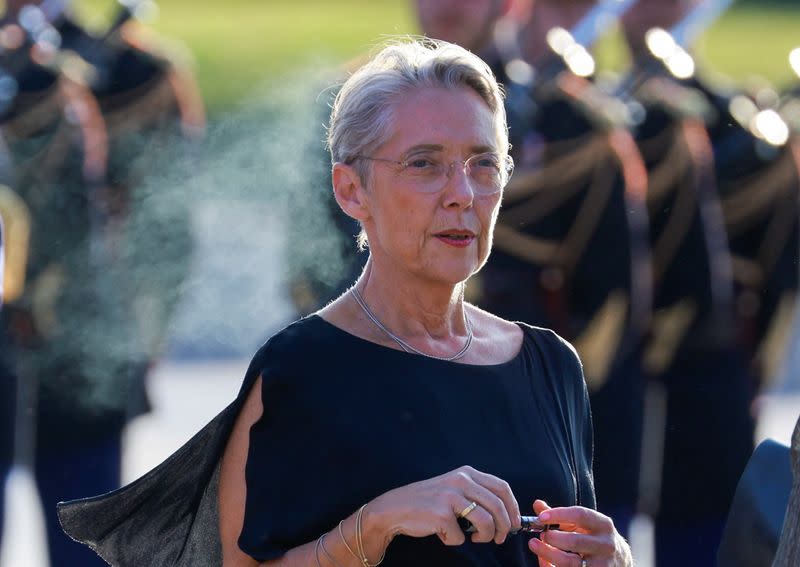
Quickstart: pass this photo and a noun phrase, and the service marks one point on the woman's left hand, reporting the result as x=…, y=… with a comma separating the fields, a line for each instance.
x=585, y=538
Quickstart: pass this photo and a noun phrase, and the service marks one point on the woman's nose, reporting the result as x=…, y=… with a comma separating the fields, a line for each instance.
x=459, y=188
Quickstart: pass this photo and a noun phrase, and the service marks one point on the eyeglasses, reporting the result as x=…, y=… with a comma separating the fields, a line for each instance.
x=488, y=172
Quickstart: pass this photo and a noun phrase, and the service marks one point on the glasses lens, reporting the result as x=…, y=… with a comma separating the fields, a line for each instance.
x=426, y=172
x=488, y=172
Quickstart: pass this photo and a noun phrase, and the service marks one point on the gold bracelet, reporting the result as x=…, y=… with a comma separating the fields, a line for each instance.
x=360, y=543
x=325, y=551
x=350, y=549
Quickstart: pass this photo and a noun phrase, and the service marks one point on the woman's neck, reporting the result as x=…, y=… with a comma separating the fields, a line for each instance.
x=411, y=307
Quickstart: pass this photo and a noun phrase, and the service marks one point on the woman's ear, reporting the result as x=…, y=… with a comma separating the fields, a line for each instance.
x=349, y=191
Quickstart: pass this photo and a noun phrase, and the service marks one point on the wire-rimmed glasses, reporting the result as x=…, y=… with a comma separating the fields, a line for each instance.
x=488, y=172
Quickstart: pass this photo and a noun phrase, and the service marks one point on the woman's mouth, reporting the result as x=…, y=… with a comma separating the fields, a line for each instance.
x=458, y=239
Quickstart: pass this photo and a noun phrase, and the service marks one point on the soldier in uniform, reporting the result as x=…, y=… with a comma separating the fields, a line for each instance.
x=694, y=354
x=7, y=394
x=54, y=160
x=757, y=167
x=14, y=234
x=108, y=252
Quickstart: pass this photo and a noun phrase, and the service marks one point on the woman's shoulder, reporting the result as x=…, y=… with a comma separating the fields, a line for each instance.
x=560, y=358
x=555, y=342
x=521, y=332
x=301, y=340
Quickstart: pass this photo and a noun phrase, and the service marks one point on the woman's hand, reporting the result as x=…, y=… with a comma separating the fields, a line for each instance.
x=585, y=538
x=433, y=506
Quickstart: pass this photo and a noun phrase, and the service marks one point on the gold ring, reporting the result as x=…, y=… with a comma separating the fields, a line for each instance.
x=466, y=511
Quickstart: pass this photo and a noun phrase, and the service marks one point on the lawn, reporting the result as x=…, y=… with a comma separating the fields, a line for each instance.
x=241, y=45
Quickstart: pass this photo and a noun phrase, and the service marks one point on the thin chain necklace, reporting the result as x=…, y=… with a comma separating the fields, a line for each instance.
x=404, y=345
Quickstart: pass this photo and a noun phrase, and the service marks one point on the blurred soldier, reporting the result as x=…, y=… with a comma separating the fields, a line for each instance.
x=570, y=244
x=109, y=247
x=694, y=350
x=758, y=174
x=56, y=141
x=756, y=167
x=14, y=235
x=7, y=395
x=2, y=260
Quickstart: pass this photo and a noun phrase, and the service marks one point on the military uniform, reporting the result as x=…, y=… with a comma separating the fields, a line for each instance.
x=759, y=188
x=7, y=395
x=693, y=350
x=108, y=252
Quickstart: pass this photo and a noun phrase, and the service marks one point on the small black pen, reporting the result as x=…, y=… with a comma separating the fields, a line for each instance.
x=530, y=524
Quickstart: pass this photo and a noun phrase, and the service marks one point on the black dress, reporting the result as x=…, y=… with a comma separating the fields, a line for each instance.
x=344, y=421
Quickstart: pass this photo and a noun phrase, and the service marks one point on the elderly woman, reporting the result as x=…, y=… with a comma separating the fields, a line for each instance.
x=366, y=431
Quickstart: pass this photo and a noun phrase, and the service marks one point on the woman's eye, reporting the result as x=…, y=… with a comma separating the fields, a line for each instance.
x=488, y=162
x=420, y=163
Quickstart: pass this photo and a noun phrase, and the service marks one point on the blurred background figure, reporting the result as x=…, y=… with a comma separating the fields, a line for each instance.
x=6, y=427
x=91, y=117
x=756, y=169
x=703, y=368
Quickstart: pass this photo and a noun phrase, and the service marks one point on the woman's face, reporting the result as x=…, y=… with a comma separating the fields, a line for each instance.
x=440, y=232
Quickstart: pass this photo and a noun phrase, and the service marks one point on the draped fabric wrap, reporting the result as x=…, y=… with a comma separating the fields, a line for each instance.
x=168, y=516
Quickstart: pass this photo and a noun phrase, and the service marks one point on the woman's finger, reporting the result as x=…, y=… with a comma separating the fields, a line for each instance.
x=553, y=555
x=584, y=519
x=582, y=544
x=540, y=506
x=496, y=507
x=503, y=491
x=449, y=532
x=478, y=516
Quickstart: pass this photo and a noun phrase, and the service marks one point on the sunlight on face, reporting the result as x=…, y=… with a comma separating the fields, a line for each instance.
x=443, y=236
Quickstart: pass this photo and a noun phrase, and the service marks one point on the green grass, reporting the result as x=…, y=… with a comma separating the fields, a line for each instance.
x=243, y=45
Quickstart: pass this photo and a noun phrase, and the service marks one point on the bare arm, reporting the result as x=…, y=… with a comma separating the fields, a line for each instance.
x=231, y=501
x=232, y=489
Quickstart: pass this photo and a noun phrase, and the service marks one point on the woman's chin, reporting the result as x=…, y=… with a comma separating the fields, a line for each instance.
x=455, y=273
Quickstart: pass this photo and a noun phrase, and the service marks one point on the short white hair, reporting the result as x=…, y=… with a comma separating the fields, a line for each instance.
x=362, y=112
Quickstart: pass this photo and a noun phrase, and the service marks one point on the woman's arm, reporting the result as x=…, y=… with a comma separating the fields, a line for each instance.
x=428, y=507
x=232, y=489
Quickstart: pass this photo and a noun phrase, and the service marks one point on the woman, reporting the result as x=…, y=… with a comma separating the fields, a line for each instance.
x=365, y=432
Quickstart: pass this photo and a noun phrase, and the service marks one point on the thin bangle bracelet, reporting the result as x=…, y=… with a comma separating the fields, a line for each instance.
x=316, y=552
x=360, y=542
x=325, y=551
x=350, y=549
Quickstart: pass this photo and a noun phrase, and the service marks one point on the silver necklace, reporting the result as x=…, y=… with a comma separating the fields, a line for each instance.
x=404, y=345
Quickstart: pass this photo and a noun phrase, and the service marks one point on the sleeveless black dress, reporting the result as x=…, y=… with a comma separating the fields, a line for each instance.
x=344, y=421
